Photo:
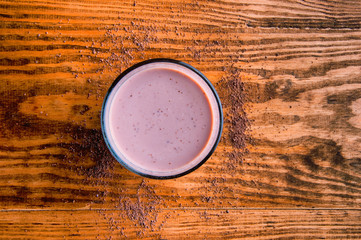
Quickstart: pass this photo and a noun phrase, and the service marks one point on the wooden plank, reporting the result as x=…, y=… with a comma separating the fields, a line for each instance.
x=184, y=224
x=299, y=73
x=289, y=77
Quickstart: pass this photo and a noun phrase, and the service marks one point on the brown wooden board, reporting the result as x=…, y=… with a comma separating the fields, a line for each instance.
x=289, y=77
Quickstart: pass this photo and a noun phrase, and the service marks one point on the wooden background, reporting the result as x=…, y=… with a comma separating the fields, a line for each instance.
x=291, y=171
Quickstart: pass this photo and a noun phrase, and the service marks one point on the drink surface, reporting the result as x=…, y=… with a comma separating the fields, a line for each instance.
x=160, y=119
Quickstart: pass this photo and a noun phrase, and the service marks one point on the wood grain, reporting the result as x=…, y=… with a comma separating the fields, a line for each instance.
x=184, y=224
x=293, y=68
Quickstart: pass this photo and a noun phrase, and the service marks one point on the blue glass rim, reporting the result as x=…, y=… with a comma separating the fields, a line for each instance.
x=166, y=60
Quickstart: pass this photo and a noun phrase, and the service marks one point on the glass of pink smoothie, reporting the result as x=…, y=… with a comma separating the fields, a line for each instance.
x=162, y=118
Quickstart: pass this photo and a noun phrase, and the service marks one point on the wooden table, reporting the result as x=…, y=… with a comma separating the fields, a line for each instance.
x=289, y=162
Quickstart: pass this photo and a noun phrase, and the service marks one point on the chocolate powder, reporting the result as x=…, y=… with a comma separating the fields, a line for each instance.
x=127, y=44
x=233, y=96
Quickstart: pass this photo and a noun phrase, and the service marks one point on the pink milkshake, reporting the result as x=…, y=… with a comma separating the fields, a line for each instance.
x=162, y=118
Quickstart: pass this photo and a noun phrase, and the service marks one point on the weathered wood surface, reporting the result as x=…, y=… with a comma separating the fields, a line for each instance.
x=184, y=224
x=296, y=64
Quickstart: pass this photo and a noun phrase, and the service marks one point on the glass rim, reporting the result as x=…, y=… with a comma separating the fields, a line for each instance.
x=157, y=60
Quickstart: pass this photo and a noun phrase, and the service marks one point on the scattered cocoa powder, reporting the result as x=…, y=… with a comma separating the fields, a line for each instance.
x=143, y=212
x=236, y=122
x=204, y=215
x=231, y=90
x=89, y=154
x=141, y=209
x=123, y=43
x=119, y=47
